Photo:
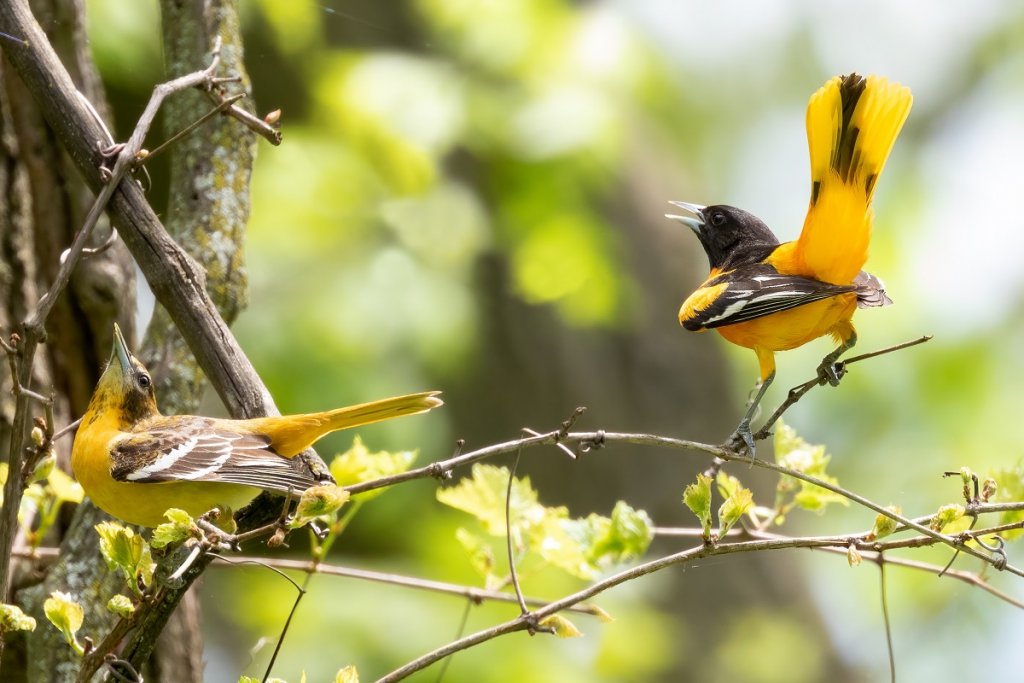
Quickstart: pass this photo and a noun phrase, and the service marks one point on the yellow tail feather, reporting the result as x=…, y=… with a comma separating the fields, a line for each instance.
x=852, y=124
x=292, y=434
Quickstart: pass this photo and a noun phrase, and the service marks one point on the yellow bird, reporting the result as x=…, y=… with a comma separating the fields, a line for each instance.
x=770, y=297
x=135, y=463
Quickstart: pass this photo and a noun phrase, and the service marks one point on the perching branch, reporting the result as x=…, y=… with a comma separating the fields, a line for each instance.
x=797, y=392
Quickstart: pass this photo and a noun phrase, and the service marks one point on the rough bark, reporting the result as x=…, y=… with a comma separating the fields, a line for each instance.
x=210, y=180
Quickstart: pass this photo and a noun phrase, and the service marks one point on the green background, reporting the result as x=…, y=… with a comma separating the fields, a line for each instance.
x=469, y=198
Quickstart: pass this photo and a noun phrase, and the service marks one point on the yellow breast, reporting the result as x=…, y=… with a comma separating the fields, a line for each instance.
x=139, y=503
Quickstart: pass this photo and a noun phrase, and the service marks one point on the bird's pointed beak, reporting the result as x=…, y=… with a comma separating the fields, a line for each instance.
x=120, y=351
x=695, y=222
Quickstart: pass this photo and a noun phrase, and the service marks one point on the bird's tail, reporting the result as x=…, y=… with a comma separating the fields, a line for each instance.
x=852, y=124
x=292, y=434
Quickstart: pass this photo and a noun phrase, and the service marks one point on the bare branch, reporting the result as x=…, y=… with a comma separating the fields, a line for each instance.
x=797, y=392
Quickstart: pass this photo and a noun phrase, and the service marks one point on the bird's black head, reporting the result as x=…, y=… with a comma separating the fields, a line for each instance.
x=731, y=237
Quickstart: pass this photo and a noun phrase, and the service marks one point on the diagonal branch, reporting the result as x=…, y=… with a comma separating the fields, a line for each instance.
x=797, y=392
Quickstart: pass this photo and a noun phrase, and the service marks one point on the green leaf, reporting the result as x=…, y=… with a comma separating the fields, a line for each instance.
x=564, y=542
x=64, y=488
x=793, y=452
x=13, y=619
x=853, y=557
x=481, y=556
x=626, y=536
x=248, y=679
x=734, y=507
x=482, y=495
x=318, y=501
x=946, y=515
x=44, y=467
x=1009, y=487
x=67, y=615
x=121, y=547
x=347, y=675
x=179, y=527
x=884, y=525
x=562, y=627
x=121, y=605
x=697, y=497
x=358, y=464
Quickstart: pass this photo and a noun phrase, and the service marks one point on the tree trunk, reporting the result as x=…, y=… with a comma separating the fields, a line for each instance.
x=42, y=206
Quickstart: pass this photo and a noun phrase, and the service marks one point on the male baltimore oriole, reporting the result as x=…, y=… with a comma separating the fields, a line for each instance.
x=135, y=463
x=770, y=297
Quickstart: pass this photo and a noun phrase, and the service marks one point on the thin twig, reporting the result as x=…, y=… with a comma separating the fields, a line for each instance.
x=287, y=623
x=508, y=535
x=474, y=595
x=458, y=634
x=66, y=429
x=883, y=594
x=226, y=104
x=248, y=119
x=797, y=392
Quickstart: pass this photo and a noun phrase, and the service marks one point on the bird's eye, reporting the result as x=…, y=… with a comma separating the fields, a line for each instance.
x=717, y=218
x=144, y=380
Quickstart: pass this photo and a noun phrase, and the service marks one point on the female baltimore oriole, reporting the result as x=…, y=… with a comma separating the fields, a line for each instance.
x=135, y=463
x=770, y=297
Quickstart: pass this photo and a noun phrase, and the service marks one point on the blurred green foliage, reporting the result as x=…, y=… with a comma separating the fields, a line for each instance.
x=426, y=141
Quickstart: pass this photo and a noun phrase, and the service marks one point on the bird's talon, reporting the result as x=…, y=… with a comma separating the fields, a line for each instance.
x=831, y=373
x=742, y=439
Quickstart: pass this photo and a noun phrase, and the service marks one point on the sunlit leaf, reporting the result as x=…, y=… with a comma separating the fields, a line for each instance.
x=64, y=488
x=13, y=619
x=44, y=467
x=734, y=507
x=1009, y=485
x=562, y=627
x=793, y=452
x=121, y=605
x=121, y=547
x=317, y=501
x=946, y=515
x=179, y=526
x=483, y=495
x=884, y=525
x=481, y=556
x=358, y=464
x=67, y=615
x=347, y=675
x=697, y=497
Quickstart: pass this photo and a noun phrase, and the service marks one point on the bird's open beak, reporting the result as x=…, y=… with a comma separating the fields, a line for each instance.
x=120, y=351
x=696, y=222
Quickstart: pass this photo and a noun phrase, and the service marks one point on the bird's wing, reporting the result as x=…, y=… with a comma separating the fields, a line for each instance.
x=199, y=449
x=751, y=292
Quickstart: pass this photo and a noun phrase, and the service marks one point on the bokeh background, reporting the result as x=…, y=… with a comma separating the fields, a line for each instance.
x=469, y=197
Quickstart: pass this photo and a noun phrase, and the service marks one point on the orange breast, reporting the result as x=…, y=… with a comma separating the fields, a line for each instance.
x=792, y=328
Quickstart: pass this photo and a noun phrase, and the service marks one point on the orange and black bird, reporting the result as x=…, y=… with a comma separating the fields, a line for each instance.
x=135, y=463
x=770, y=297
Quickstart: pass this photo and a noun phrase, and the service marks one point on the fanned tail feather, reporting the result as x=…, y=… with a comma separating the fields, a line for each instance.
x=852, y=124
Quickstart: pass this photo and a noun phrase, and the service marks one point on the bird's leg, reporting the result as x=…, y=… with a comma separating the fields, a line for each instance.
x=743, y=435
x=831, y=369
